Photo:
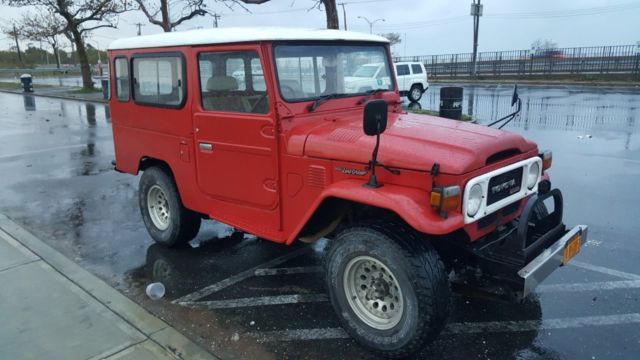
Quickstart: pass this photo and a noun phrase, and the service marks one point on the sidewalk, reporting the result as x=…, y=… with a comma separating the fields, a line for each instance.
x=51, y=308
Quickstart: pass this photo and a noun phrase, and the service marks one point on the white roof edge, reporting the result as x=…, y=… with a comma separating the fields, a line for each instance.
x=239, y=35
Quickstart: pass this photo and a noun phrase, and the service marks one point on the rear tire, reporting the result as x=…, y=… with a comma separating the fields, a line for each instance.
x=415, y=93
x=388, y=287
x=168, y=222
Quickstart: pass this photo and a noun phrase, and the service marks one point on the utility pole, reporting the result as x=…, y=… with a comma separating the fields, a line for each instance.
x=15, y=37
x=372, y=22
x=215, y=20
x=476, y=12
x=344, y=15
x=139, y=25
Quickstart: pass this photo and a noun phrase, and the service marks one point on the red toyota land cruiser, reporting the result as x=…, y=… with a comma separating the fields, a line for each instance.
x=263, y=130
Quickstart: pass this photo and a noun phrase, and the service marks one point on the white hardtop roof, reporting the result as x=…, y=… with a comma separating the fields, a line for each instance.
x=239, y=35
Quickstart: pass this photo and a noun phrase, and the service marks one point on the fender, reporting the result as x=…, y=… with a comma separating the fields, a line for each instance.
x=411, y=204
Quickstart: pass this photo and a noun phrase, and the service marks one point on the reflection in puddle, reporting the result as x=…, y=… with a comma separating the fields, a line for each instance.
x=560, y=108
x=29, y=102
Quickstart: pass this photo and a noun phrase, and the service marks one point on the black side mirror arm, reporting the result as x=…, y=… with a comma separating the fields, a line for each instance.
x=373, y=180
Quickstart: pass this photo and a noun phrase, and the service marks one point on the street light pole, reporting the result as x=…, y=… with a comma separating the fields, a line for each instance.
x=370, y=22
x=344, y=15
x=476, y=12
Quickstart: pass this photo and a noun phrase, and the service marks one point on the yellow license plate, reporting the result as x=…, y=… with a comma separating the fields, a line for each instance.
x=572, y=248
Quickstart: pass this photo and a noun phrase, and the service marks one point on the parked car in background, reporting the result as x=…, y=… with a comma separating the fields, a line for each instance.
x=412, y=79
x=368, y=77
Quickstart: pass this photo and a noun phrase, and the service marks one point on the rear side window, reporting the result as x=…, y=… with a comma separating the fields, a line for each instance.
x=416, y=68
x=159, y=80
x=232, y=81
x=121, y=66
x=402, y=69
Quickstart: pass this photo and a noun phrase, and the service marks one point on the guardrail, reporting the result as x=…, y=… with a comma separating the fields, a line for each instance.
x=620, y=59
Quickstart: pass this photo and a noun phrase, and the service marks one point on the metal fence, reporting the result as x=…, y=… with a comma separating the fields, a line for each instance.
x=621, y=59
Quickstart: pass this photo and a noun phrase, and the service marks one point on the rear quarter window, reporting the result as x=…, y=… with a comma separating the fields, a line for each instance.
x=159, y=80
x=402, y=70
x=121, y=70
x=416, y=68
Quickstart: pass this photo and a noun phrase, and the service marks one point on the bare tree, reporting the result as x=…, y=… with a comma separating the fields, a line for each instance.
x=13, y=32
x=545, y=44
x=158, y=12
x=330, y=9
x=394, y=38
x=40, y=26
x=79, y=17
x=168, y=14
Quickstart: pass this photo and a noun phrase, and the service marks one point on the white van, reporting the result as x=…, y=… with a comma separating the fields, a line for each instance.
x=412, y=79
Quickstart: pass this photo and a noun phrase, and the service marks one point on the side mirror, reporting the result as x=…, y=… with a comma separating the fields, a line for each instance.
x=375, y=117
x=514, y=97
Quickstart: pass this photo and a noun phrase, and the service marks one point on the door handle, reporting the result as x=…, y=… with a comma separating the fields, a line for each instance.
x=205, y=146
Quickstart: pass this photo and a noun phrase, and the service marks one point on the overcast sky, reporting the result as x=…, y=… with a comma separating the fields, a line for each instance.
x=426, y=26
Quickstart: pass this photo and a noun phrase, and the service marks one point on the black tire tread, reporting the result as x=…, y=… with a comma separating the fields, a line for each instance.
x=189, y=222
x=411, y=91
x=425, y=268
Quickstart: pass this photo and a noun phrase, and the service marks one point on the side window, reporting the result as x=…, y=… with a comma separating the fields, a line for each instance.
x=416, y=68
x=402, y=69
x=233, y=82
x=235, y=67
x=258, y=75
x=158, y=80
x=121, y=66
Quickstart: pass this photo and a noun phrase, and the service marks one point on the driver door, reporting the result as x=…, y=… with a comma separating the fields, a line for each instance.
x=234, y=129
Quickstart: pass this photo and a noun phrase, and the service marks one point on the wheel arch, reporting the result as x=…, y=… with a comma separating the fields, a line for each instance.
x=147, y=162
x=341, y=199
x=421, y=85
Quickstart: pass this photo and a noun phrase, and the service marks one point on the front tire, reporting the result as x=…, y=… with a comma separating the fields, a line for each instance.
x=168, y=222
x=415, y=93
x=388, y=286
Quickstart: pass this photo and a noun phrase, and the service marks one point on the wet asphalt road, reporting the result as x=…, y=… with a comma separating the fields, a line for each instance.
x=246, y=298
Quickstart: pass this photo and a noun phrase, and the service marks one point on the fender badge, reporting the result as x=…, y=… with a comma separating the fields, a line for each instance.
x=351, y=171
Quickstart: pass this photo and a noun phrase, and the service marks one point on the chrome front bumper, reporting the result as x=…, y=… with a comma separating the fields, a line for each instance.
x=548, y=261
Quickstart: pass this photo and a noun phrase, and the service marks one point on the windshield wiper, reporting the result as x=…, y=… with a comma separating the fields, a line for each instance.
x=322, y=99
x=370, y=93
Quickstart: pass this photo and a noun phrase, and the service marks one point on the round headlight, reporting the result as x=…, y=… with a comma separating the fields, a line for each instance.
x=474, y=200
x=532, y=176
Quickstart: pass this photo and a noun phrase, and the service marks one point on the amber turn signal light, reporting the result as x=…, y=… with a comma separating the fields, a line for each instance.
x=445, y=199
x=547, y=158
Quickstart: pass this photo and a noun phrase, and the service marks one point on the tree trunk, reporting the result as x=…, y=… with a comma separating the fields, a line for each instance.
x=164, y=12
x=85, y=68
x=56, y=55
x=331, y=10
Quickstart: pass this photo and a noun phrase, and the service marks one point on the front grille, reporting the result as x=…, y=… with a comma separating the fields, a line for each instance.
x=504, y=185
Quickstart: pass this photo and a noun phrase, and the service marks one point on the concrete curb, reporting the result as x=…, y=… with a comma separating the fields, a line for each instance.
x=153, y=328
x=67, y=97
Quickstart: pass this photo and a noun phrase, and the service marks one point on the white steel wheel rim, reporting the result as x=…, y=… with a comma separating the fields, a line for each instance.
x=158, y=207
x=415, y=93
x=373, y=292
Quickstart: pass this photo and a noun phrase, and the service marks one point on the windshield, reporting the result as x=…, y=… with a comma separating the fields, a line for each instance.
x=366, y=71
x=306, y=71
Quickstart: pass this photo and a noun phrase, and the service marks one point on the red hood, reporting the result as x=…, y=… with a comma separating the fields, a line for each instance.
x=415, y=142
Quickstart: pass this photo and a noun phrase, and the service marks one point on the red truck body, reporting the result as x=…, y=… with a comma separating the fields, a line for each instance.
x=222, y=130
